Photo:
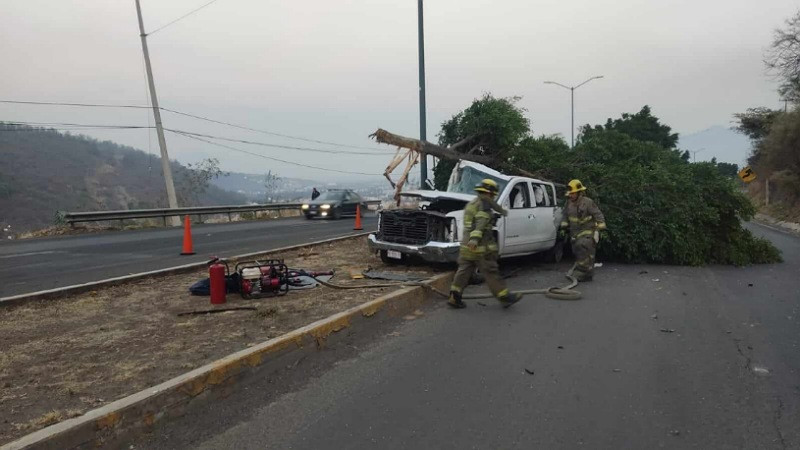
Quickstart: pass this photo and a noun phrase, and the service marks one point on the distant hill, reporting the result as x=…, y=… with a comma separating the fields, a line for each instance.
x=294, y=189
x=718, y=141
x=43, y=171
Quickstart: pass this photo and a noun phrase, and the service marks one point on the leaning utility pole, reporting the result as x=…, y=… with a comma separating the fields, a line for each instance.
x=423, y=162
x=162, y=142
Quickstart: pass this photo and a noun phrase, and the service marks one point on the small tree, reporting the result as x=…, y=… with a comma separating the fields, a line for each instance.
x=783, y=58
x=490, y=126
x=728, y=170
x=271, y=181
x=195, y=179
x=641, y=126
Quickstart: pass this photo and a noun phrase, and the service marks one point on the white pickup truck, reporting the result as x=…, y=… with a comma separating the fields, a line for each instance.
x=429, y=224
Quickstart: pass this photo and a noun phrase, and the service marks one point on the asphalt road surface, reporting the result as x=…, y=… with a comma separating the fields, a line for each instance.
x=605, y=372
x=37, y=264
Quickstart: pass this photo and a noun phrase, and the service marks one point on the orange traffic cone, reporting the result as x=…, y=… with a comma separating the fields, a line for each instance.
x=187, y=236
x=358, y=218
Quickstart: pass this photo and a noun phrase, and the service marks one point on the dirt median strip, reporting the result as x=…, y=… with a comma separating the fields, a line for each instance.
x=85, y=287
x=63, y=358
x=140, y=411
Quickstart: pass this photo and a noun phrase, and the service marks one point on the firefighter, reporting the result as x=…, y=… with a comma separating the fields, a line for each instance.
x=584, y=221
x=479, y=248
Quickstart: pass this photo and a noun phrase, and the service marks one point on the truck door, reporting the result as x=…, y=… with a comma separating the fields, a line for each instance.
x=544, y=211
x=519, y=222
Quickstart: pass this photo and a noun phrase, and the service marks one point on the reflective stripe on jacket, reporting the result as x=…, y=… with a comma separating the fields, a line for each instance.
x=582, y=217
x=478, y=225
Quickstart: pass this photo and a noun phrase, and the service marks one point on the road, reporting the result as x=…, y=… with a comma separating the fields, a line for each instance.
x=37, y=264
x=606, y=372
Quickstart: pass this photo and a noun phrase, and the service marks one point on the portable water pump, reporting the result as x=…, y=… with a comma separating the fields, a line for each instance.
x=263, y=278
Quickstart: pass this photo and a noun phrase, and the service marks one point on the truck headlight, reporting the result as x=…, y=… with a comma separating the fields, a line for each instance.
x=304, y=207
x=325, y=206
x=452, y=235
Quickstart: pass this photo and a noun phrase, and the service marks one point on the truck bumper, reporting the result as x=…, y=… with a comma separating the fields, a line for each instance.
x=432, y=251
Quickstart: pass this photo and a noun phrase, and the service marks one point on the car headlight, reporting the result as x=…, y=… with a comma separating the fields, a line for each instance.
x=304, y=207
x=326, y=206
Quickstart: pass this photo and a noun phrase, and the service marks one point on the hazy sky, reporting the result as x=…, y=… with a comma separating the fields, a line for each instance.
x=338, y=70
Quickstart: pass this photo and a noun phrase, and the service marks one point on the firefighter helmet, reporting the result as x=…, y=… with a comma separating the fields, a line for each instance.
x=575, y=186
x=487, y=186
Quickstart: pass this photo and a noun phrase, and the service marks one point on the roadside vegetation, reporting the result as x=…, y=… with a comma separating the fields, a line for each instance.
x=45, y=171
x=660, y=207
x=775, y=133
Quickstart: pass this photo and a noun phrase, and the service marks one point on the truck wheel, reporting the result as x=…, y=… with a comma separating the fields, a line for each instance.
x=385, y=258
x=555, y=254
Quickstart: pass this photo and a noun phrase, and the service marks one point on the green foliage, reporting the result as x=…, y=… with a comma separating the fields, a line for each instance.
x=59, y=219
x=659, y=208
x=756, y=124
x=490, y=126
x=780, y=148
x=729, y=170
x=642, y=126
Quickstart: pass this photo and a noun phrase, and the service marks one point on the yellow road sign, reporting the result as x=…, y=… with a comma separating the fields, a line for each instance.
x=747, y=175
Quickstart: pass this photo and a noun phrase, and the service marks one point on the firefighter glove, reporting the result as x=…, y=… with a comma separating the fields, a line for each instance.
x=472, y=244
x=596, y=236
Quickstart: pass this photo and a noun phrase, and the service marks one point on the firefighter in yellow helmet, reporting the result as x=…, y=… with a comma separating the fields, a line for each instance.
x=584, y=220
x=479, y=248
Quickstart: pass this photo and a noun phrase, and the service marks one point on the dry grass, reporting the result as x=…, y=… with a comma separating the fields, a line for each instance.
x=76, y=354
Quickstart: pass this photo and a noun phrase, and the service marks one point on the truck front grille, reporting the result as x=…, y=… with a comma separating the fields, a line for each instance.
x=405, y=228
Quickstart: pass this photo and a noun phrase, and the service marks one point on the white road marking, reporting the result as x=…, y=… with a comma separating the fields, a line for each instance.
x=20, y=255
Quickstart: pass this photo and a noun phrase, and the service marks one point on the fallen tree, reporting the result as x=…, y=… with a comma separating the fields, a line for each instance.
x=660, y=208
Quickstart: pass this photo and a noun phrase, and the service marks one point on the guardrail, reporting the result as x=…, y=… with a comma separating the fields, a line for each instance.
x=99, y=216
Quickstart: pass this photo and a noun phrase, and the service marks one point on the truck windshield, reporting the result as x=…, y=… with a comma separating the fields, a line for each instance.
x=469, y=177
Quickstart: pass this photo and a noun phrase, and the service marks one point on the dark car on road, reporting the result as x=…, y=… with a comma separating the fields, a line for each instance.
x=334, y=204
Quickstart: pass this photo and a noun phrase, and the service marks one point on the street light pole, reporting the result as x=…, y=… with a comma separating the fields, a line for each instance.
x=572, y=100
x=162, y=142
x=423, y=165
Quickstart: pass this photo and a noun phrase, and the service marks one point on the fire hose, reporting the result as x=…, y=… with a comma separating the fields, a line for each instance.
x=556, y=293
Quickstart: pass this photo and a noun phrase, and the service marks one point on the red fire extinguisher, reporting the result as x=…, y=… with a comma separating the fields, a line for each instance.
x=216, y=274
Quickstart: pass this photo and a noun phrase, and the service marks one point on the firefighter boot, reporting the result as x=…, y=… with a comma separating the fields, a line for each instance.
x=455, y=300
x=509, y=299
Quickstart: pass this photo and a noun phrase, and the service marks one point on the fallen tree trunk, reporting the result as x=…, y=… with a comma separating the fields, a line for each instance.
x=449, y=153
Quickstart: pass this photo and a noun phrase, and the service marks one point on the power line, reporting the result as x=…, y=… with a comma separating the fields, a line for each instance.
x=183, y=132
x=271, y=158
x=93, y=105
x=180, y=18
x=271, y=133
x=242, y=127
x=287, y=147
x=80, y=125
x=29, y=128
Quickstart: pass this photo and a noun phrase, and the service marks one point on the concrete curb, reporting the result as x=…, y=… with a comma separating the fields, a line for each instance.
x=139, y=412
x=85, y=287
x=777, y=225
